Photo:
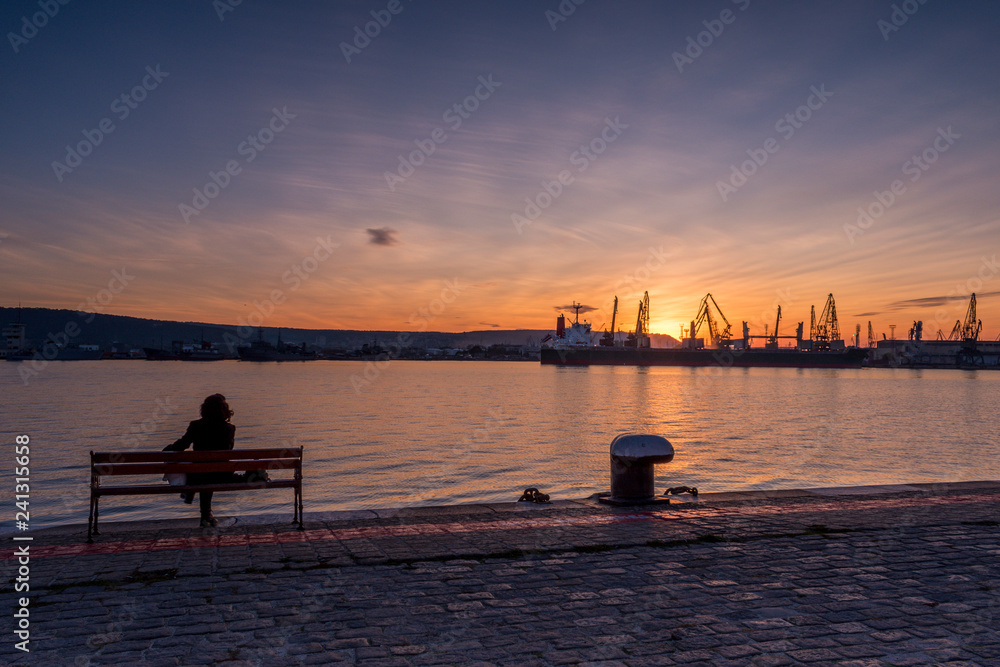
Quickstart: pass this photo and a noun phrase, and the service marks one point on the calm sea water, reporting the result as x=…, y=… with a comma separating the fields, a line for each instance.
x=432, y=433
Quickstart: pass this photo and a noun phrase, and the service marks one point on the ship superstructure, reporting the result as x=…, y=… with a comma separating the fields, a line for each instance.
x=576, y=336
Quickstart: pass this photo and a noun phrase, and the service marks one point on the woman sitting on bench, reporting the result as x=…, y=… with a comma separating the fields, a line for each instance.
x=212, y=432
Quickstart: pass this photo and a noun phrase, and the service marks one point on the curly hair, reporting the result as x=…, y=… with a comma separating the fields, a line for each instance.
x=215, y=408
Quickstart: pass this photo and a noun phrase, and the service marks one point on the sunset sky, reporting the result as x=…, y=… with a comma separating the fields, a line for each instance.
x=388, y=180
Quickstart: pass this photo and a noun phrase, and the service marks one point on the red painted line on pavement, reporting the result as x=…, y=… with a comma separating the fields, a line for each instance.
x=845, y=504
x=424, y=529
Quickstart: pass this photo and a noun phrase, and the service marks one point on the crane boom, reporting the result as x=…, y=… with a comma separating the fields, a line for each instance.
x=608, y=339
x=644, y=315
x=718, y=335
x=772, y=340
x=640, y=337
x=614, y=314
x=956, y=331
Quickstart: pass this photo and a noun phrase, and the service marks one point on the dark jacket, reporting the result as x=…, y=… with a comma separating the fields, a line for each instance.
x=206, y=435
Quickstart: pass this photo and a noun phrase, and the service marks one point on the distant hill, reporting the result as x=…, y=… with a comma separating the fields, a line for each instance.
x=663, y=340
x=137, y=332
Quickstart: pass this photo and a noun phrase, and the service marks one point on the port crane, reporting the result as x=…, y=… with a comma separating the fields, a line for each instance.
x=969, y=332
x=772, y=340
x=640, y=338
x=871, y=335
x=956, y=331
x=608, y=339
x=827, y=328
x=916, y=331
x=971, y=327
x=718, y=334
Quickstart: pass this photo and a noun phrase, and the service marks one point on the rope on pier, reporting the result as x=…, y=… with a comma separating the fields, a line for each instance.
x=533, y=495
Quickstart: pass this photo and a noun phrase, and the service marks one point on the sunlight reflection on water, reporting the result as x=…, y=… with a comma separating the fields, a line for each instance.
x=431, y=433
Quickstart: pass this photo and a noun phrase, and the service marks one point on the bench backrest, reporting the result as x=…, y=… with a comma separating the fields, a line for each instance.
x=159, y=463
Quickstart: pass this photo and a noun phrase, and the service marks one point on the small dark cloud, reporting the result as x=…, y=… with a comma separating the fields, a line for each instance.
x=871, y=314
x=383, y=236
x=572, y=309
x=490, y=324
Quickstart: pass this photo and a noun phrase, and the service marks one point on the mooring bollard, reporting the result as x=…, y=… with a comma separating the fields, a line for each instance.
x=633, y=456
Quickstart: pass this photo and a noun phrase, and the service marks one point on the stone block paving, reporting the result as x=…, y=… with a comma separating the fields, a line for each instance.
x=909, y=578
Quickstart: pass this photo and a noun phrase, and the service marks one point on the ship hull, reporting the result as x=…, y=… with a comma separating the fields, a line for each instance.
x=623, y=356
x=74, y=354
x=251, y=355
x=156, y=354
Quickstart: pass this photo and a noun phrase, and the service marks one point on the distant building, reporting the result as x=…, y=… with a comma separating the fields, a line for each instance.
x=13, y=335
x=935, y=354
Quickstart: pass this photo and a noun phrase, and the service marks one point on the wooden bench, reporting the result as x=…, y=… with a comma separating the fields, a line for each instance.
x=119, y=464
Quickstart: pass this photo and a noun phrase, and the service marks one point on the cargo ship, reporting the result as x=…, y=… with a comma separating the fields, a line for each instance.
x=573, y=345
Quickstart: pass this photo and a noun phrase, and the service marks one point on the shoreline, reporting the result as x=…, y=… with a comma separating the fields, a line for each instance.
x=499, y=509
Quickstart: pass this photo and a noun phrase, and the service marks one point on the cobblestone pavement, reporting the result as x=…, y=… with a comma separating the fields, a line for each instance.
x=904, y=575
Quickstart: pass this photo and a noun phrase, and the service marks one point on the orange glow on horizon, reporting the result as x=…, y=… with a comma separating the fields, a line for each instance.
x=483, y=317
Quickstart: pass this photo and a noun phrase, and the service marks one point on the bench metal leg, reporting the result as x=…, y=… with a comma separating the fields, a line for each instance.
x=92, y=521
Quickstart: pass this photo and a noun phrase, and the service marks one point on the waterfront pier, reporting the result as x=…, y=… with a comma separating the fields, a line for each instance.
x=890, y=575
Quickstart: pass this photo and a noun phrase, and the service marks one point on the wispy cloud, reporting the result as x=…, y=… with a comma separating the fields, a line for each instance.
x=936, y=301
x=653, y=187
